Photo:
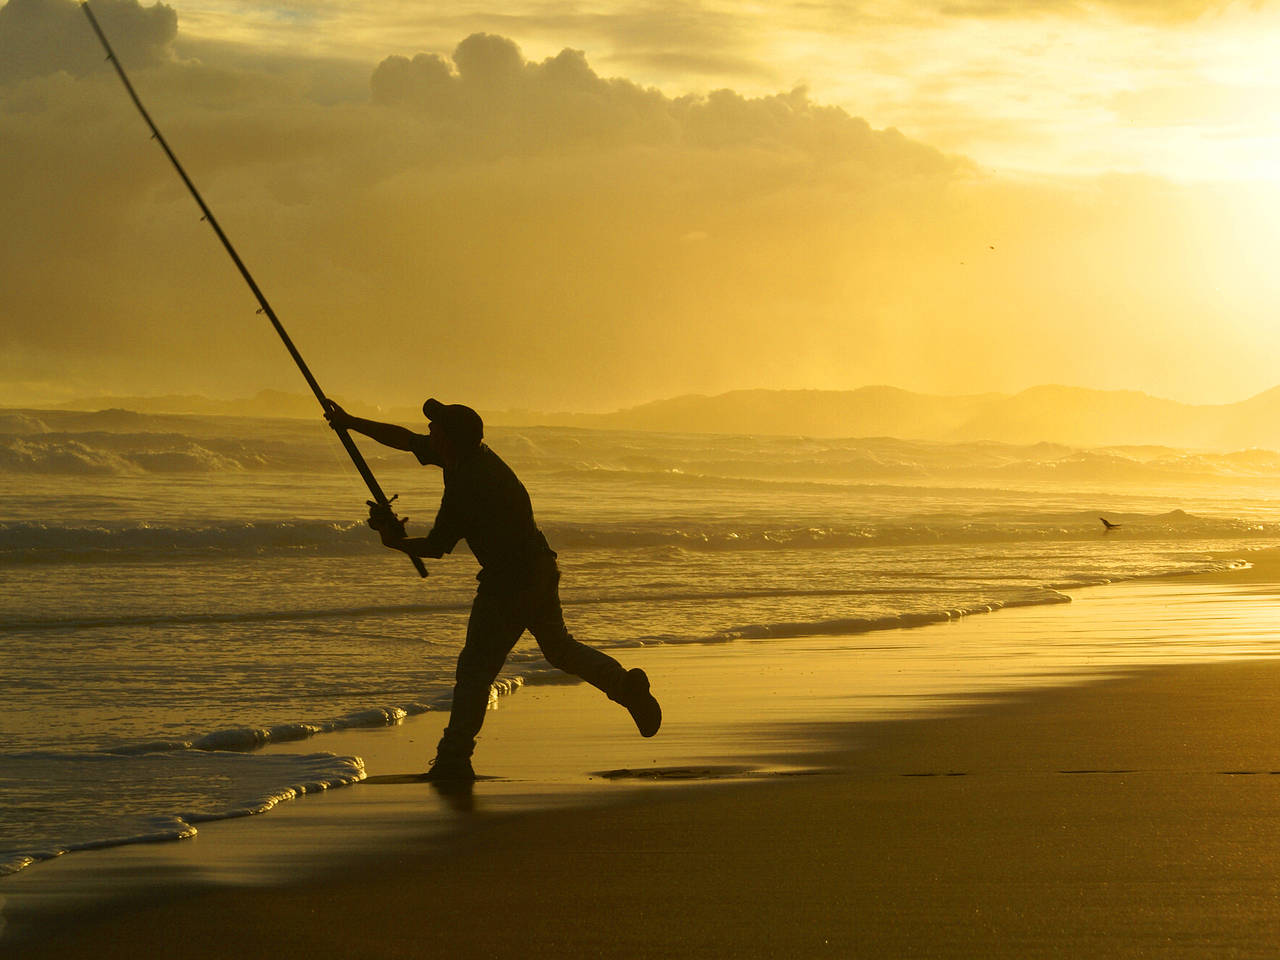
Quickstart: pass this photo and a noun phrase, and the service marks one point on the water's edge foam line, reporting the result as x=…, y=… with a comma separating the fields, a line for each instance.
x=536, y=671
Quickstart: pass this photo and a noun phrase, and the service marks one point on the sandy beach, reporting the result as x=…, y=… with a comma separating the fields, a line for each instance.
x=1130, y=813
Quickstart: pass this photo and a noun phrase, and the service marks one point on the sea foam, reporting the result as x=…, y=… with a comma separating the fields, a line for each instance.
x=32, y=541
x=151, y=796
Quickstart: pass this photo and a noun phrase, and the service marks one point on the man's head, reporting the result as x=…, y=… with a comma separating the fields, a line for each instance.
x=462, y=427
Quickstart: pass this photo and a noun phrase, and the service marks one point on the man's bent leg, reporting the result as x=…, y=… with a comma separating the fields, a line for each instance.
x=492, y=631
x=546, y=622
x=627, y=687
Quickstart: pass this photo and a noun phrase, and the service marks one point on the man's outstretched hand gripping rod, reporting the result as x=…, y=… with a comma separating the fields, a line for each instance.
x=379, y=498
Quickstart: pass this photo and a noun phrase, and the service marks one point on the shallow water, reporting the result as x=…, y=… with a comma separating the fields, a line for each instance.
x=172, y=589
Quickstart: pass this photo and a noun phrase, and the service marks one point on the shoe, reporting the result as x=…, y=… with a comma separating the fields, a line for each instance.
x=642, y=705
x=450, y=770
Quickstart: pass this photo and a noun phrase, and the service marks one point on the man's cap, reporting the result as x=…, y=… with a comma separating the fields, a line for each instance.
x=461, y=424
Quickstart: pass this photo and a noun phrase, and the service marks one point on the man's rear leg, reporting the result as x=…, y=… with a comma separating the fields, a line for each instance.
x=627, y=687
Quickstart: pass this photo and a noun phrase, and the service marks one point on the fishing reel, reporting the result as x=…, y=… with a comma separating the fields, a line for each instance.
x=391, y=528
x=384, y=520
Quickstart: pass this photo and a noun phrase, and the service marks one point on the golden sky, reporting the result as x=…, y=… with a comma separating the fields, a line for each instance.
x=563, y=206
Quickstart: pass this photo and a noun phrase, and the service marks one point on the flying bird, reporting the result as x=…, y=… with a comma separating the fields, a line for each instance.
x=1108, y=525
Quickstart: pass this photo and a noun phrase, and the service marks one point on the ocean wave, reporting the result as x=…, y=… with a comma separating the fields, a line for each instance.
x=1081, y=526
x=22, y=423
x=244, y=739
x=33, y=542
x=120, y=442
x=88, y=801
x=662, y=592
x=147, y=791
x=178, y=619
x=842, y=626
x=251, y=738
x=26, y=450
x=527, y=665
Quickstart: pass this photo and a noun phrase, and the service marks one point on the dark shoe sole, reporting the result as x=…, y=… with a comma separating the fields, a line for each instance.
x=641, y=704
x=449, y=773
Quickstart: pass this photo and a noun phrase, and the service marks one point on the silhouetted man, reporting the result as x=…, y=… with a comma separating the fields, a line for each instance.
x=485, y=504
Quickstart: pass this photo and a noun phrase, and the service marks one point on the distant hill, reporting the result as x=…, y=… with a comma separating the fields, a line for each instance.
x=265, y=403
x=870, y=411
x=1093, y=418
x=1074, y=416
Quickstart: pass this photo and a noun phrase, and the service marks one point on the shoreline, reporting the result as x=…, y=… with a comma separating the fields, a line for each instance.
x=387, y=826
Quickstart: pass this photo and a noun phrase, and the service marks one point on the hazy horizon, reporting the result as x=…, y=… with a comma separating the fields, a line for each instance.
x=299, y=393
x=1074, y=417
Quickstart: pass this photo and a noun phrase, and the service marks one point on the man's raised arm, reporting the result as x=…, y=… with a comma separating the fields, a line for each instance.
x=387, y=434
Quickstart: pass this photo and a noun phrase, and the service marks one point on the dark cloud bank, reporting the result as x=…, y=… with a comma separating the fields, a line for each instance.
x=40, y=37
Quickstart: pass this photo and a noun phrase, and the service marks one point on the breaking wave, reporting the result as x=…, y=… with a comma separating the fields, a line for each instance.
x=159, y=790
x=107, y=454
x=123, y=443
x=153, y=796
x=30, y=541
x=34, y=541
x=850, y=625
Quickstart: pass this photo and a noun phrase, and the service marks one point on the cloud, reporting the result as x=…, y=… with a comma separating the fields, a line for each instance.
x=491, y=101
x=670, y=39
x=526, y=232
x=40, y=37
x=1168, y=11
x=702, y=63
x=524, y=216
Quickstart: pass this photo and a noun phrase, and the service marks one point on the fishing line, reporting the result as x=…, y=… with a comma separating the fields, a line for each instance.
x=380, y=499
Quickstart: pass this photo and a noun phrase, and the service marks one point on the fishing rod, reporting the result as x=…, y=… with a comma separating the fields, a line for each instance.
x=380, y=502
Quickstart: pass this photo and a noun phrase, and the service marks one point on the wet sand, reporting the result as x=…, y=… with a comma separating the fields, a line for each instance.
x=1134, y=813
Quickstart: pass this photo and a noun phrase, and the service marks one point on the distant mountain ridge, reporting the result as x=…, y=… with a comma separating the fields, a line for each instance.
x=1075, y=416
x=265, y=403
